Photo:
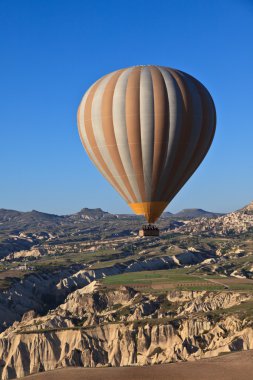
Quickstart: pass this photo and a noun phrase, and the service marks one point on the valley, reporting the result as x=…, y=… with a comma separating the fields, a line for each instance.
x=85, y=290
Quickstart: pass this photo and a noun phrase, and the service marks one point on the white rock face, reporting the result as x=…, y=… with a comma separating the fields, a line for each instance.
x=34, y=253
x=36, y=289
x=120, y=345
x=144, y=335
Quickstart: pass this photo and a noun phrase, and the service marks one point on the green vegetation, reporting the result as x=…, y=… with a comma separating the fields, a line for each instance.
x=181, y=279
x=72, y=236
x=7, y=277
x=200, y=287
x=162, y=279
x=172, y=276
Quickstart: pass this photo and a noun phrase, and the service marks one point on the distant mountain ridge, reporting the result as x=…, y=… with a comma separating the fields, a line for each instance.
x=39, y=217
x=191, y=213
x=31, y=217
x=89, y=213
x=94, y=214
x=21, y=230
x=22, y=220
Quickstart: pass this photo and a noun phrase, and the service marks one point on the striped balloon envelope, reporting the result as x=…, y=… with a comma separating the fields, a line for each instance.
x=147, y=129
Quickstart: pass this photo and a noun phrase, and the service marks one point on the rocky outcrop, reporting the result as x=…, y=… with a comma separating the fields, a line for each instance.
x=27, y=254
x=97, y=326
x=231, y=224
x=206, y=301
x=120, y=345
x=37, y=291
x=42, y=291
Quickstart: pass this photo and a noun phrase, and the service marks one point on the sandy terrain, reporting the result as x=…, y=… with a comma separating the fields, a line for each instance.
x=235, y=366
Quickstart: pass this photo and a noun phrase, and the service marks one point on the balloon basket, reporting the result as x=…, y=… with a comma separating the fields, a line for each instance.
x=149, y=230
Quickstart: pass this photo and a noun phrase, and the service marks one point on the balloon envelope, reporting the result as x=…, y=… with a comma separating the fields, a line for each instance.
x=147, y=129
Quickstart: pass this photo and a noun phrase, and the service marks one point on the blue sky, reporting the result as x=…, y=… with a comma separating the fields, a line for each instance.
x=52, y=51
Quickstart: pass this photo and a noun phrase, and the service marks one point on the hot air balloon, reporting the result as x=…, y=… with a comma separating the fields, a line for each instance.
x=147, y=129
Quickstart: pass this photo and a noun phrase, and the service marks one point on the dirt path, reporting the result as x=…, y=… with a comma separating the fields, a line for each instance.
x=235, y=366
x=216, y=282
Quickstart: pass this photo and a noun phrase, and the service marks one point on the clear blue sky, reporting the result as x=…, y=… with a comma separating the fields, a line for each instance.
x=53, y=50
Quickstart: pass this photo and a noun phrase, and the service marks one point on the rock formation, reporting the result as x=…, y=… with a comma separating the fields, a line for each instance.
x=96, y=327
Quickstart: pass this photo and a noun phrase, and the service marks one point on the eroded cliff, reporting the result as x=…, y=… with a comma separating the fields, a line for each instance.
x=97, y=326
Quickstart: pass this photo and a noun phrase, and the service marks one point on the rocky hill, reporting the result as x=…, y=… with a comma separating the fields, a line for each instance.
x=22, y=220
x=90, y=214
x=23, y=230
x=192, y=213
x=237, y=222
x=41, y=290
x=85, y=290
x=94, y=327
x=248, y=208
